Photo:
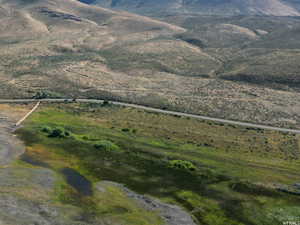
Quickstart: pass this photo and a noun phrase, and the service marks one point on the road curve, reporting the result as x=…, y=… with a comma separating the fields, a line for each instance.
x=245, y=124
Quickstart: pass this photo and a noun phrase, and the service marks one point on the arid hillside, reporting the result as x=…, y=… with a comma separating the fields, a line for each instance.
x=46, y=44
x=242, y=68
x=206, y=7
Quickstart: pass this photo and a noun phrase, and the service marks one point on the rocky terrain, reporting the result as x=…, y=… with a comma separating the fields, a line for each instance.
x=172, y=214
x=10, y=146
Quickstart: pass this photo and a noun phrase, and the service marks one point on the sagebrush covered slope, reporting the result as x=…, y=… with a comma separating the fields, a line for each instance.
x=220, y=7
x=43, y=41
x=224, y=67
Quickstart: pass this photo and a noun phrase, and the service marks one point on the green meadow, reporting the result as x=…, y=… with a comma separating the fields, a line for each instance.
x=221, y=174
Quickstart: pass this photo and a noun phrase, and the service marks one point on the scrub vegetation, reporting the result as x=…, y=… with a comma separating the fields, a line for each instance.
x=187, y=62
x=221, y=174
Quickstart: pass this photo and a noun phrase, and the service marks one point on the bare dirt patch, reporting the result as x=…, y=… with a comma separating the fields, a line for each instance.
x=10, y=146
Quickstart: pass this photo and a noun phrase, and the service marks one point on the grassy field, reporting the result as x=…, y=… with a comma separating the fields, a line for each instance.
x=220, y=173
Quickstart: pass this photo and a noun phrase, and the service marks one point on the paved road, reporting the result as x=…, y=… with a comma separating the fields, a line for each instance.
x=245, y=124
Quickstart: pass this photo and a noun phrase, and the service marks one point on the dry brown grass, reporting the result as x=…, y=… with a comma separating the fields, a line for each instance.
x=14, y=112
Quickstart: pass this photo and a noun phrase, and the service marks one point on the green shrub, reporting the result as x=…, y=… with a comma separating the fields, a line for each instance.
x=59, y=132
x=46, y=129
x=125, y=129
x=46, y=94
x=105, y=103
x=40, y=95
x=67, y=133
x=182, y=164
x=106, y=145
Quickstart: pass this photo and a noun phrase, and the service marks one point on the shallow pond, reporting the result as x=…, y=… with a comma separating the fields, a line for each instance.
x=77, y=181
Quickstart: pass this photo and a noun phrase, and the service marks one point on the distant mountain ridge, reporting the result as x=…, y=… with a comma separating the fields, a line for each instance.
x=218, y=7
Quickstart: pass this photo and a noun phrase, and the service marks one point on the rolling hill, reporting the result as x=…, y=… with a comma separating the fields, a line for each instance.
x=207, y=7
x=235, y=67
x=77, y=157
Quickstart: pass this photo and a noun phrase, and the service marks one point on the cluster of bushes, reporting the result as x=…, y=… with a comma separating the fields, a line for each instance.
x=106, y=145
x=182, y=165
x=58, y=132
x=126, y=130
x=46, y=94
